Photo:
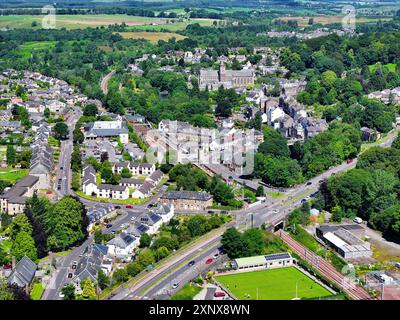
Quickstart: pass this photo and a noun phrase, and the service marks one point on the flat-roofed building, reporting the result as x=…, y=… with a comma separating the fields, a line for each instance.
x=270, y=261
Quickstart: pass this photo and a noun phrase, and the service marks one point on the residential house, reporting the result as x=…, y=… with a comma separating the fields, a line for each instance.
x=188, y=200
x=122, y=246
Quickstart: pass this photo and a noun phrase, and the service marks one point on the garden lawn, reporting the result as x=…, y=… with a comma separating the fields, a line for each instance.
x=274, y=284
x=37, y=291
x=188, y=292
x=13, y=175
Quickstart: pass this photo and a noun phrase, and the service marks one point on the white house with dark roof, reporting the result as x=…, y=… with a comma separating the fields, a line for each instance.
x=155, y=177
x=165, y=211
x=131, y=183
x=122, y=246
x=89, y=185
x=143, y=192
x=152, y=220
x=112, y=191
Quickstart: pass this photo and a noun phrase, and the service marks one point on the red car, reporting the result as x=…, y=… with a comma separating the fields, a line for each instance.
x=219, y=294
x=349, y=160
x=129, y=206
x=209, y=260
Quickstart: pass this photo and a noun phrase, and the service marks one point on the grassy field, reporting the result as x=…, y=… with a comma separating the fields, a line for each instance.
x=188, y=292
x=274, y=284
x=151, y=36
x=391, y=67
x=13, y=175
x=27, y=48
x=303, y=21
x=132, y=201
x=84, y=21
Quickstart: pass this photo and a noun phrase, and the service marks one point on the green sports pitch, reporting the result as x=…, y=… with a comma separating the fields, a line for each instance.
x=273, y=284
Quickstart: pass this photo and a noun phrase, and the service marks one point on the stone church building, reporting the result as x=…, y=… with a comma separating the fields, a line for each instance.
x=213, y=79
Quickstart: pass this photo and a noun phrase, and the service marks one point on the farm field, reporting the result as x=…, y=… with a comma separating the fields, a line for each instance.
x=303, y=21
x=274, y=284
x=84, y=21
x=151, y=36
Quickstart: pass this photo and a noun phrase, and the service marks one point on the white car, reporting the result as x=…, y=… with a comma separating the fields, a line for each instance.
x=175, y=285
x=61, y=295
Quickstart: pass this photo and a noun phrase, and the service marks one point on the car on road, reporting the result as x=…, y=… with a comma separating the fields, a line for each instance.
x=221, y=251
x=175, y=285
x=108, y=225
x=117, y=207
x=309, y=183
x=191, y=263
x=129, y=206
x=209, y=260
x=349, y=161
x=70, y=275
x=150, y=205
x=215, y=256
x=210, y=211
x=61, y=295
x=397, y=265
x=321, y=181
x=61, y=168
x=358, y=220
x=219, y=294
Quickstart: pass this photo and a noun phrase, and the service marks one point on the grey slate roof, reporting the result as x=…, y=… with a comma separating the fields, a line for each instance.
x=190, y=195
x=23, y=273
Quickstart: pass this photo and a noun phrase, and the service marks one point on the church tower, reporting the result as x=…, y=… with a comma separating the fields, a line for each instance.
x=222, y=72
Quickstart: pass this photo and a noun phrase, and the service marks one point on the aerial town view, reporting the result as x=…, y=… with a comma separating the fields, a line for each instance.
x=220, y=152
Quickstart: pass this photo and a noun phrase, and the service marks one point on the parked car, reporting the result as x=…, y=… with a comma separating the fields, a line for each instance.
x=117, y=207
x=191, y=263
x=209, y=260
x=358, y=220
x=349, y=160
x=129, y=206
x=219, y=294
x=175, y=285
x=108, y=225
x=397, y=265
x=215, y=256
x=308, y=183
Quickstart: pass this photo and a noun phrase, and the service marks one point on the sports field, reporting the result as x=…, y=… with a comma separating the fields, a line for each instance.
x=274, y=284
x=97, y=20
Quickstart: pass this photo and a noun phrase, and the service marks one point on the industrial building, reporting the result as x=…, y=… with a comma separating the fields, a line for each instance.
x=345, y=239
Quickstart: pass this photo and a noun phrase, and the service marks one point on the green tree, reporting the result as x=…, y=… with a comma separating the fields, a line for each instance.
x=125, y=173
x=61, y=131
x=88, y=290
x=161, y=253
x=336, y=214
x=65, y=223
x=5, y=291
x=69, y=292
x=145, y=240
x=102, y=279
x=232, y=243
x=19, y=224
x=24, y=245
x=120, y=275
x=46, y=112
x=90, y=110
x=11, y=155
